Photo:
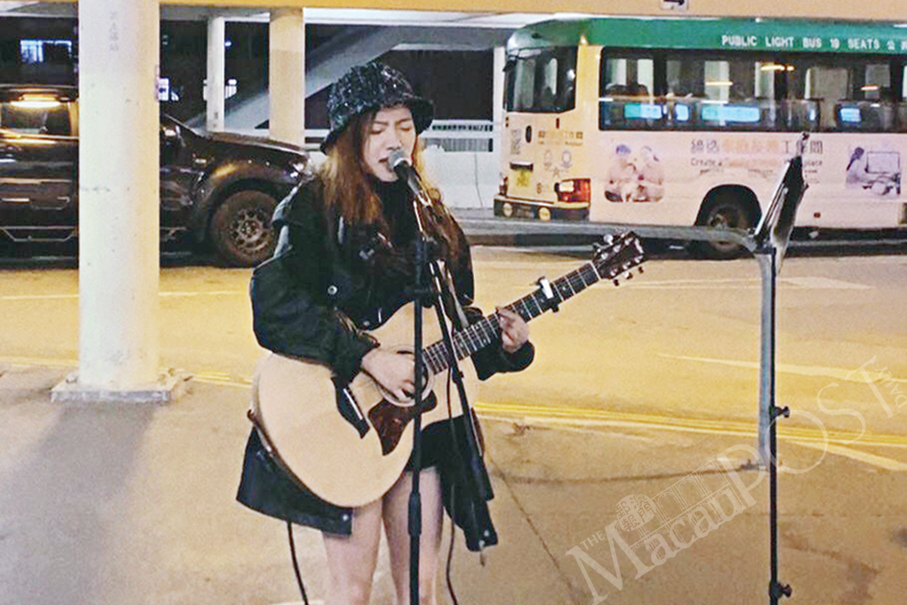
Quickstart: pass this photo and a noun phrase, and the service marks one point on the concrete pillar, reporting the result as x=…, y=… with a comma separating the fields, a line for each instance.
x=216, y=67
x=500, y=59
x=119, y=212
x=286, y=74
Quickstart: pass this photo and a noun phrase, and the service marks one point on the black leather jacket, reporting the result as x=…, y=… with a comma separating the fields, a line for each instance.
x=315, y=299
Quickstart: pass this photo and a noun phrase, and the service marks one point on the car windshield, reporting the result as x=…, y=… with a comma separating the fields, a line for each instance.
x=166, y=118
x=48, y=117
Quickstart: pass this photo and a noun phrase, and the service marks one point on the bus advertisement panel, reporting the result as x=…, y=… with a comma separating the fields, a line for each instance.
x=690, y=121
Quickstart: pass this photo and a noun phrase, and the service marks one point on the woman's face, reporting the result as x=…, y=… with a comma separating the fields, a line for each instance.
x=392, y=128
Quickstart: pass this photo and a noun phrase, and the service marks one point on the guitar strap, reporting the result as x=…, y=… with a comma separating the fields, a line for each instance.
x=460, y=320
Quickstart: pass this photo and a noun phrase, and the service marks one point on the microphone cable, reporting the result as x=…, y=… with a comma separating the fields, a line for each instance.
x=453, y=496
x=305, y=598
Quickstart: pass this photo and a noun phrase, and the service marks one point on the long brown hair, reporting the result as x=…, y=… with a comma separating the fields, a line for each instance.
x=349, y=194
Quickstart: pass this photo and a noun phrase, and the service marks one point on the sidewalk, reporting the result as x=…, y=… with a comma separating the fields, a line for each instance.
x=482, y=228
x=134, y=505
x=116, y=504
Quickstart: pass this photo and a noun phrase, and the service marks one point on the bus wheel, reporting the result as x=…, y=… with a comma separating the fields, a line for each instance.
x=724, y=209
x=241, y=228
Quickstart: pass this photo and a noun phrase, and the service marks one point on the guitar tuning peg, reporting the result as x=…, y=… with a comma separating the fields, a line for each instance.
x=608, y=239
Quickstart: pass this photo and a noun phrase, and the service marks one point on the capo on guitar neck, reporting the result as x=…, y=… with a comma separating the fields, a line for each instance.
x=548, y=293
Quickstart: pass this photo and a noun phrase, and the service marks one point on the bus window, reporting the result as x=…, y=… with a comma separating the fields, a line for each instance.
x=901, y=104
x=717, y=80
x=524, y=85
x=877, y=83
x=629, y=76
x=684, y=77
x=851, y=97
x=542, y=82
x=626, y=83
x=828, y=86
x=766, y=76
x=731, y=94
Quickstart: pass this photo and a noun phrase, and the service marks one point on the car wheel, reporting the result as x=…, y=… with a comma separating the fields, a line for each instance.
x=241, y=228
x=724, y=210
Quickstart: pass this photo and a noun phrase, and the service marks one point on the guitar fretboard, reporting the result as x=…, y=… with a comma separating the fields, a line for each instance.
x=488, y=330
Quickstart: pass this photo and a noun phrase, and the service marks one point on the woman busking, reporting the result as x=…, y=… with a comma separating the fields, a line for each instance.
x=343, y=266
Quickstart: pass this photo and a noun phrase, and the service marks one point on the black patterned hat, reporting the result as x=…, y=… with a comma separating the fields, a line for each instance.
x=372, y=87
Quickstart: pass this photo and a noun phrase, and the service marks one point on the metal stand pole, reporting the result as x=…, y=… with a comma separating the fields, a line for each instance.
x=769, y=412
x=422, y=295
x=766, y=260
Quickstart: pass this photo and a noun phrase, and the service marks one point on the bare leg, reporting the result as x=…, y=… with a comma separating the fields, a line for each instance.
x=351, y=559
x=396, y=519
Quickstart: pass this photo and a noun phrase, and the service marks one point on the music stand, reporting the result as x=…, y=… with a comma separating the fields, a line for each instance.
x=768, y=243
x=771, y=238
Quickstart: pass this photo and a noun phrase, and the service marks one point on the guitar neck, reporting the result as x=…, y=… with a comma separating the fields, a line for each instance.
x=488, y=330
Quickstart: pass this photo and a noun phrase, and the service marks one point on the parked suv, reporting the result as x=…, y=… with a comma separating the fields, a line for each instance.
x=217, y=190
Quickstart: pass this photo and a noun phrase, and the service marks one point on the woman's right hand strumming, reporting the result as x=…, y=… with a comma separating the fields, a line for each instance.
x=394, y=372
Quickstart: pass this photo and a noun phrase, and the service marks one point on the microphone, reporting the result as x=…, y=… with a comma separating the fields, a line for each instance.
x=398, y=161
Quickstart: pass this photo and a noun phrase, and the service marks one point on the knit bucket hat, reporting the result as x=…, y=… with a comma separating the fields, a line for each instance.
x=372, y=87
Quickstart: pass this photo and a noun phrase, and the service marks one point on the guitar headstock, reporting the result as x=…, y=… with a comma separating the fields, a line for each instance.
x=617, y=256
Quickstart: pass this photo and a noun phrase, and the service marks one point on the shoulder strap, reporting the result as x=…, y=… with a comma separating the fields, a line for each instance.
x=451, y=295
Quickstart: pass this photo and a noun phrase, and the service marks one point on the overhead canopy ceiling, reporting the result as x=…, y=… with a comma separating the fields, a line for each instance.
x=881, y=10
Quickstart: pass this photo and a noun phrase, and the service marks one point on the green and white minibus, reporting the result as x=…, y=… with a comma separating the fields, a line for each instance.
x=689, y=121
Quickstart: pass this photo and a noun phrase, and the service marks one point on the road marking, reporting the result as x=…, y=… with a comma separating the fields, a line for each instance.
x=797, y=283
x=888, y=464
x=206, y=293
x=38, y=296
x=848, y=375
x=165, y=294
x=822, y=283
x=40, y=361
x=215, y=377
x=590, y=417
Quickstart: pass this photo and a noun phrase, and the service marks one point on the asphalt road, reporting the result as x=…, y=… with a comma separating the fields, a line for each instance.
x=633, y=389
x=681, y=340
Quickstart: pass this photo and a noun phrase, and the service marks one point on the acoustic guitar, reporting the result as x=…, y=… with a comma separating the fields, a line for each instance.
x=350, y=444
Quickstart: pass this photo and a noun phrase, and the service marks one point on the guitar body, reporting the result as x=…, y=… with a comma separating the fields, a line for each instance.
x=295, y=406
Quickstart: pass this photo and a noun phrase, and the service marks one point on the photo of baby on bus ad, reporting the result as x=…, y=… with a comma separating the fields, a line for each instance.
x=635, y=177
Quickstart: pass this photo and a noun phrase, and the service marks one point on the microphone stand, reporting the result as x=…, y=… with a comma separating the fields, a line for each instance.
x=423, y=296
x=428, y=291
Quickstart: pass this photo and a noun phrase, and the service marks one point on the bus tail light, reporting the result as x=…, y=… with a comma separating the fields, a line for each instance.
x=574, y=190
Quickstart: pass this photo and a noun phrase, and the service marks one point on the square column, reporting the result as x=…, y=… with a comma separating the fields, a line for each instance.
x=119, y=213
x=214, y=93
x=286, y=75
